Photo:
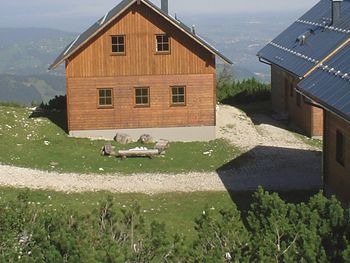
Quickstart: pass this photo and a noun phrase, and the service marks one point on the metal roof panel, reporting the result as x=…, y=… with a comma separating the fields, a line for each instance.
x=321, y=39
x=329, y=84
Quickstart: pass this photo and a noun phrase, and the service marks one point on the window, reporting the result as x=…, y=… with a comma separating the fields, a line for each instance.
x=298, y=99
x=142, y=97
x=105, y=98
x=340, y=148
x=291, y=90
x=178, y=96
x=118, y=44
x=163, y=43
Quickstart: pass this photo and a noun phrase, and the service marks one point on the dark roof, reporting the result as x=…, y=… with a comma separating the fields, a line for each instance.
x=112, y=15
x=321, y=38
x=329, y=84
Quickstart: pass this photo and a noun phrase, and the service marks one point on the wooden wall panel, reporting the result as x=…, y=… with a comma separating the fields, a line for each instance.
x=308, y=118
x=337, y=177
x=84, y=113
x=140, y=25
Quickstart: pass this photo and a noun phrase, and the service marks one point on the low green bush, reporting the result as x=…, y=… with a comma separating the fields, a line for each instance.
x=57, y=103
x=242, y=92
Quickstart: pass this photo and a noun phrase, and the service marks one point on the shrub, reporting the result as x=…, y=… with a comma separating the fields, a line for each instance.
x=275, y=231
x=57, y=103
x=242, y=92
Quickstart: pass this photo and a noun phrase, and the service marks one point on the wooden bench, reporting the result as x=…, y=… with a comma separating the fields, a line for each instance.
x=137, y=153
x=159, y=148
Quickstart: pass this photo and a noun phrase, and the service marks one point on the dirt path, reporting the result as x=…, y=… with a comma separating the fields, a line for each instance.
x=273, y=158
x=237, y=127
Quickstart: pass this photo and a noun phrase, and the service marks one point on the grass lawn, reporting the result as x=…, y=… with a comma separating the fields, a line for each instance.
x=41, y=144
x=176, y=210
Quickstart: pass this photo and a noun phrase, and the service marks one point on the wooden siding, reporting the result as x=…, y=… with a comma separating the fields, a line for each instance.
x=337, y=176
x=277, y=90
x=85, y=115
x=140, y=25
x=306, y=117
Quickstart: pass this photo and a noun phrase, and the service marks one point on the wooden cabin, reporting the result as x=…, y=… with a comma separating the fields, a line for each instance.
x=138, y=70
x=329, y=85
x=296, y=53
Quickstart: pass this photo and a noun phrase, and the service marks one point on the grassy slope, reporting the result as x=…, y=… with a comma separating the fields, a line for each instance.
x=39, y=143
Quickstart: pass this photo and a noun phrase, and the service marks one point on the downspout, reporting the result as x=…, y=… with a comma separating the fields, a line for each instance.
x=324, y=151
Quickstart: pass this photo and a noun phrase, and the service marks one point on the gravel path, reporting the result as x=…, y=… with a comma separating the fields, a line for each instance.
x=273, y=158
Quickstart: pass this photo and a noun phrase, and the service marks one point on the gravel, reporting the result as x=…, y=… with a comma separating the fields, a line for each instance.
x=273, y=158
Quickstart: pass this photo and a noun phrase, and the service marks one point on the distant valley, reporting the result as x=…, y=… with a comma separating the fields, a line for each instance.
x=26, y=53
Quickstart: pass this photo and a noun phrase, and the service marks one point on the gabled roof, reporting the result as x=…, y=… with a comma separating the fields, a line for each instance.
x=110, y=16
x=329, y=84
x=317, y=39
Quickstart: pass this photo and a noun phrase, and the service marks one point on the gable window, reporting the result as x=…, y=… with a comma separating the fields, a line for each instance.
x=178, y=96
x=340, y=148
x=142, y=97
x=118, y=44
x=163, y=43
x=105, y=98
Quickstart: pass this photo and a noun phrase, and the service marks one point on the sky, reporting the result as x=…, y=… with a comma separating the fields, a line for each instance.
x=73, y=14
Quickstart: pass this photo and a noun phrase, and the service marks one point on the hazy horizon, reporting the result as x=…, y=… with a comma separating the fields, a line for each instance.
x=75, y=16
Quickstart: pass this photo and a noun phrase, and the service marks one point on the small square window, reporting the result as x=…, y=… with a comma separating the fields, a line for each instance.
x=340, y=148
x=142, y=96
x=118, y=44
x=105, y=98
x=163, y=43
x=178, y=96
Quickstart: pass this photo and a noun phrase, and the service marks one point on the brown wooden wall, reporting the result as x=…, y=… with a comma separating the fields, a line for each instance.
x=337, y=177
x=277, y=91
x=84, y=113
x=307, y=118
x=140, y=24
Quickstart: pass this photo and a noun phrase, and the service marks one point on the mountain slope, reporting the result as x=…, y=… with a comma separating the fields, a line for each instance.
x=28, y=51
x=25, y=89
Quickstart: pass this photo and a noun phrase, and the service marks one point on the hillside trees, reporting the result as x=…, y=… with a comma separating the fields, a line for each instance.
x=230, y=91
x=273, y=231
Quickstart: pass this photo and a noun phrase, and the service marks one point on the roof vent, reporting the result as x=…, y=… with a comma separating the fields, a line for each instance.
x=336, y=10
x=165, y=6
x=303, y=37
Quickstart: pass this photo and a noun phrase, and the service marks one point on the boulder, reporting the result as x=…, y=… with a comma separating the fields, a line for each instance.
x=123, y=138
x=146, y=139
x=162, y=145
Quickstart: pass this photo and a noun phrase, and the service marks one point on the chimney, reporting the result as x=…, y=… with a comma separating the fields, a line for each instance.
x=336, y=10
x=193, y=29
x=165, y=6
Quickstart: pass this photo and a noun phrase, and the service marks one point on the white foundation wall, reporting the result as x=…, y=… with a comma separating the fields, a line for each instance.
x=182, y=134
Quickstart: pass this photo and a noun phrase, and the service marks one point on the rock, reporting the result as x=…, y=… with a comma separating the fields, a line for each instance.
x=162, y=145
x=146, y=139
x=123, y=138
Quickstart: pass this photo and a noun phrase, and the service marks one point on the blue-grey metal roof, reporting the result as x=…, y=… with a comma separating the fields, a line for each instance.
x=329, y=84
x=321, y=38
x=112, y=15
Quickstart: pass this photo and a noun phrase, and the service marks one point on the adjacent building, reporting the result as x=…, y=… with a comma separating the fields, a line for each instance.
x=139, y=70
x=297, y=52
x=329, y=85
